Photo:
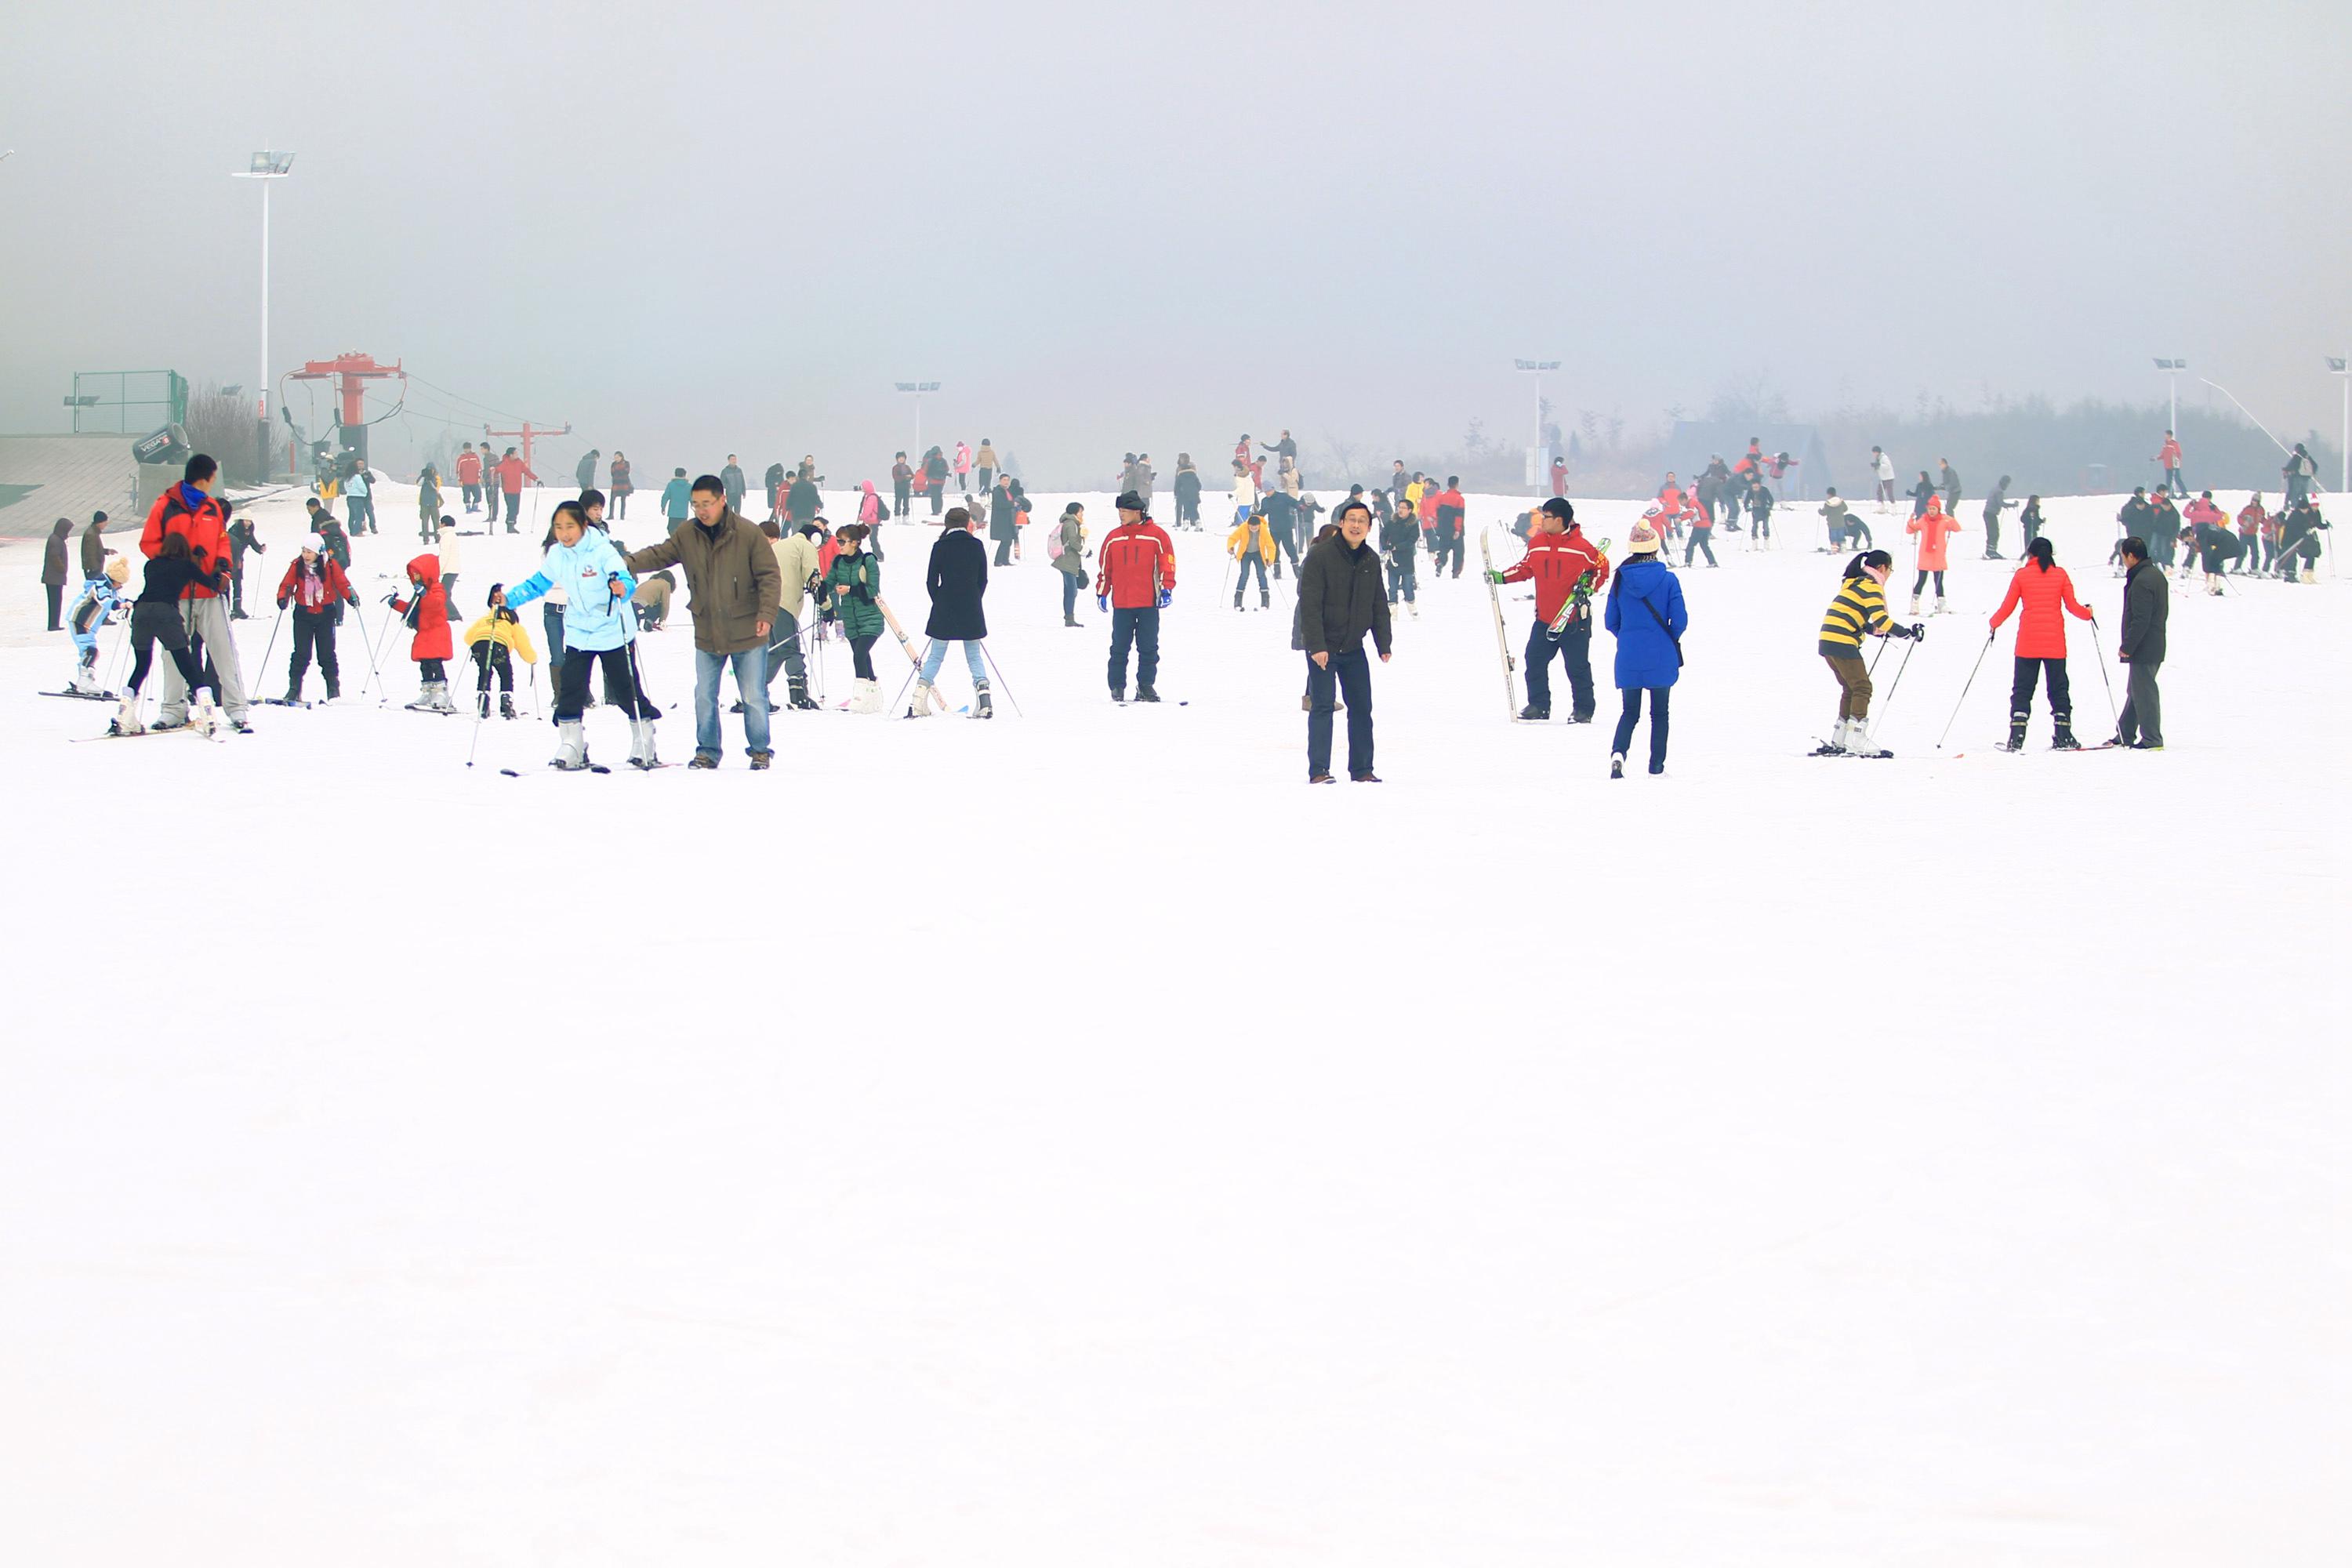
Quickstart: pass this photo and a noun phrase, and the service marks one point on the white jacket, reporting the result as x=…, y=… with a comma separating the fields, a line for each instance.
x=1245, y=491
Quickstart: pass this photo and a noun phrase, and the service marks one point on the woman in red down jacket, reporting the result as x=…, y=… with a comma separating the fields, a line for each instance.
x=2038, y=592
x=425, y=612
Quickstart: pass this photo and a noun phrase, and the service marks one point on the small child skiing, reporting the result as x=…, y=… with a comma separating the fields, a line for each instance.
x=426, y=613
x=155, y=618
x=490, y=641
x=597, y=628
x=316, y=589
x=100, y=602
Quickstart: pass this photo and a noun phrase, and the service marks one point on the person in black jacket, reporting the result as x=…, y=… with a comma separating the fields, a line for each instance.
x=53, y=570
x=2133, y=522
x=1003, y=519
x=801, y=499
x=1341, y=598
x=958, y=580
x=935, y=469
x=155, y=618
x=1400, y=538
x=2147, y=603
x=1281, y=509
x=1187, y=495
x=1920, y=493
x=240, y=540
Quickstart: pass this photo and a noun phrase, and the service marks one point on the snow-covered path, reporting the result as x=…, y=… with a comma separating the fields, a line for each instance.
x=1072, y=1139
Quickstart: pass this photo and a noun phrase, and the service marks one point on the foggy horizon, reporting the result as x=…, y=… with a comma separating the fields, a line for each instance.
x=1105, y=233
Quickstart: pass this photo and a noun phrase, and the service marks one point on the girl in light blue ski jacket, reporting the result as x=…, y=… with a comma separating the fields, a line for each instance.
x=594, y=618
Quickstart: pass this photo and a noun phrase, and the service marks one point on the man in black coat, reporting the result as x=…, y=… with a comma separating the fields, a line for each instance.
x=801, y=501
x=2147, y=601
x=958, y=579
x=1003, y=519
x=1341, y=598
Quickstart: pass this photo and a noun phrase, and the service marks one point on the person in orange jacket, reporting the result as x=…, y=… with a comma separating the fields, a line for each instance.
x=1134, y=581
x=2252, y=524
x=1567, y=570
x=469, y=477
x=512, y=471
x=1935, y=528
x=2038, y=591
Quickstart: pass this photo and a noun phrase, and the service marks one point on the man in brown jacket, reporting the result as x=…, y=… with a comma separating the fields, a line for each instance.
x=732, y=590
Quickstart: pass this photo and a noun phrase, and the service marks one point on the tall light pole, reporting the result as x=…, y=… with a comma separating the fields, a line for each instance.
x=2172, y=368
x=266, y=166
x=2343, y=370
x=916, y=389
x=1536, y=367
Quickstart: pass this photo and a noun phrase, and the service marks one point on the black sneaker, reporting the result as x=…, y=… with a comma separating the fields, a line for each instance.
x=1532, y=712
x=1145, y=694
x=1118, y=694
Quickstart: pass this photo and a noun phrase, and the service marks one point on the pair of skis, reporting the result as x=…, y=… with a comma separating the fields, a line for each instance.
x=1503, y=636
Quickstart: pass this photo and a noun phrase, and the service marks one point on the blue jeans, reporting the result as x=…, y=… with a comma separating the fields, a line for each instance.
x=751, y=684
x=1071, y=581
x=934, y=656
x=1351, y=673
x=1631, y=715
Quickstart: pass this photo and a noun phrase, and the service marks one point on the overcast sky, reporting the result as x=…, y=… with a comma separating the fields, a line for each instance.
x=691, y=228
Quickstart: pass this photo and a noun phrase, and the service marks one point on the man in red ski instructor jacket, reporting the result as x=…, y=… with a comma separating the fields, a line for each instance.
x=191, y=509
x=1137, y=580
x=1559, y=556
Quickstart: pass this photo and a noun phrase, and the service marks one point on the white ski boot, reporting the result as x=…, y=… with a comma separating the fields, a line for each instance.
x=641, y=744
x=85, y=681
x=126, y=720
x=865, y=697
x=203, y=717
x=571, y=747
x=921, y=705
x=1915, y=604
x=1857, y=742
x=1939, y=604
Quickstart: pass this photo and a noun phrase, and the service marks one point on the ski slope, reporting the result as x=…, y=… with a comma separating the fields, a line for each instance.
x=1070, y=1139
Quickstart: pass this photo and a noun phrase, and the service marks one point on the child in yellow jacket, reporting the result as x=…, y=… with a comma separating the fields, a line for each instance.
x=1251, y=543
x=488, y=642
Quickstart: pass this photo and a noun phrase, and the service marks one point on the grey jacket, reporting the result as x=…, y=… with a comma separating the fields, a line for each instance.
x=2147, y=603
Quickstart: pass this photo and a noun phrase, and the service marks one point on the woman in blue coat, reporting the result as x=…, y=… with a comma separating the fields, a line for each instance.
x=1646, y=615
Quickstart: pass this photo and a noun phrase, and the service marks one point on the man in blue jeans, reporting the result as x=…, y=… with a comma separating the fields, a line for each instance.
x=734, y=587
x=1341, y=596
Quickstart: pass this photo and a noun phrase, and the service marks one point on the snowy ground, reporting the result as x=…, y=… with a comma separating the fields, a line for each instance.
x=1070, y=1139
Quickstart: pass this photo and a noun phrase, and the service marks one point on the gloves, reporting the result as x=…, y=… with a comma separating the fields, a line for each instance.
x=1494, y=576
x=1919, y=631
x=282, y=601
x=1165, y=595
x=393, y=599
x=1102, y=602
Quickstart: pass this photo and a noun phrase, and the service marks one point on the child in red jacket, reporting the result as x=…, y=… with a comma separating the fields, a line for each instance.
x=426, y=613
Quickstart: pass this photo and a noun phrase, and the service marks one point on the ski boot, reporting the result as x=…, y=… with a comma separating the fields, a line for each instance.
x=203, y=716
x=1265, y=599
x=294, y=689
x=334, y=687
x=1146, y=694
x=1118, y=694
x=1237, y=598
x=982, y=708
x=571, y=747
x=1940, y=606
x=2016, y=742
x=482, y=703
x=1534, y=714
x=641, y=744
x=1915, y=604
x=867, y=698
x=800, y=694
x=1616, y=765
x=126, y=718
x=2063, y=739
x=506, y=706
x=921, y=707
x=1858, y=742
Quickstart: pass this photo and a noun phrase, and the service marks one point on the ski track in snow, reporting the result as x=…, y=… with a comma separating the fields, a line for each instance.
x=1070, y=1139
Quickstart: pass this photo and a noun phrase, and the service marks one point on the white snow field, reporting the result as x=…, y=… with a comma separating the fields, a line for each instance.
x=1072, y=1139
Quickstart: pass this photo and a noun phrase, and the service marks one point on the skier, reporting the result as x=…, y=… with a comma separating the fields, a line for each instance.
x=1709, y=488
x=2038, y=590
x=490, y=641
x=1340, y=600
x=1701, y=533
x=1566, y=570
x=2134, y=522
x=935, y=474
x=469, y=477
x=2299, y=541
x=2147, y=604
x=240, y=541
x=1834, y=513
x=1921, y=493
x=1859, y=610
x=851, y=585
x=1882, y=469
x=2210, y=541
x=733, y=587
x=1950, y=483
x=1251, y=544
x=1995, y=504
x=902, y=484
x=1001, y=513
x=1453, y=513
x=2299, y=472
x=1069, y=558
x=1134, y=581
x=1649, y=644
x=512, y=471
x=1400, y=538
x=2164, y=528
x=54, y=567
x=801, y=499
x=1281, y=509
x=99, y=602
x=358, y=501
x=2254, y=525
x=732, y=483
x=797, y=570
x=2029, y=519
x=595, y=630
x=1935, y=528
x=623, y=485
x=986, y=462
x=1187, y=494
x=1245, y=491
x=2170, y=456
x=330, y=527
x=1759, y=514
x=190, y=511
x=958, y=581
x=315, y=588
x=174, y=569
x=425, y=612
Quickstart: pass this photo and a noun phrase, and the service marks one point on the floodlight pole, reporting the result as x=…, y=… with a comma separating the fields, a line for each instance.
x=266, y=166
x=2343, y=368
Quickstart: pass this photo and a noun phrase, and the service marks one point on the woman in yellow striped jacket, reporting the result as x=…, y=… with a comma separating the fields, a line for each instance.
x=1858, y=611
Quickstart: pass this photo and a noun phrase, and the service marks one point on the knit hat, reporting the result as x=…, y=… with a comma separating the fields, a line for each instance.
x=313, y=543
x=1128, y=501
x=118, y=570
x=1644, y=541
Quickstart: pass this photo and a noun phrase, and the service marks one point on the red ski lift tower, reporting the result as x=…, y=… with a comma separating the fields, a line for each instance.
x=351, y=374
x=527, y=434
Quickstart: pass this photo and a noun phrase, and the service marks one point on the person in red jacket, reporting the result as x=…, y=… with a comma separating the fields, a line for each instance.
x=314, y=587
x=190, y=510
x=469, y=477
x=1566, y=570
x=2170, y=456
x=2038, y=591
x=1559, y=477
x=512, y=471
x=1453, y=525
x=1670, y=495
x=1135, y=579
x=426, y=613
x=1935, y=528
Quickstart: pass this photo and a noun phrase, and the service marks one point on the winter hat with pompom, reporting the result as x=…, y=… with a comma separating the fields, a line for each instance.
x=1644, y=541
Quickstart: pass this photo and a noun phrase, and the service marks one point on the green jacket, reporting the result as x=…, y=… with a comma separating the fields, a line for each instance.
x=731, y=580
x=859, y=578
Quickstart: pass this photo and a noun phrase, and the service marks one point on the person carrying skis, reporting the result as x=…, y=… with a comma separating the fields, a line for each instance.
x=1134, y=581
x=1251, y=543
x=99, y=602
x=2148, y=604
x=1859, y=610
x=1340, y=602
x=316, y=589
x=1935, y=528
x=1566, y=570
x=958, y=581
x=1399, y=539
x=2038, y=590
x=190, y=511
x=174, y=567
x=489, y=642
x=1649, y=643
x=598, y=628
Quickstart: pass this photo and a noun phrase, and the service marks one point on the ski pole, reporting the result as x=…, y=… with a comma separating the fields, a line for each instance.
x=999, y=679
x=1897, y=685
x=375, y=670
x=1964, y=688
x=914, y=670
x=2101, y=659
x=262, y=670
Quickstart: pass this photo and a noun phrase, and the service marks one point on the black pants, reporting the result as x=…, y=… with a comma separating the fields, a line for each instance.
x=1631, y=714
x=514, y=508
x=1189, y=512
x=492, y=658
x=1282, y=539
x=620, y=683
x=861, y=656
x=2142, y=720
x=1699, y=538
x=2020, y=691
x=473, y=494
x=1351, y=673
x=899, y=500
x=152, y=623
x=1992, y=534
x=1574, y=646
x=938, y=497
x=314, y=637
x=57, y=605
x=1005, y=551
x=1921, y=582
x=1138, y=629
